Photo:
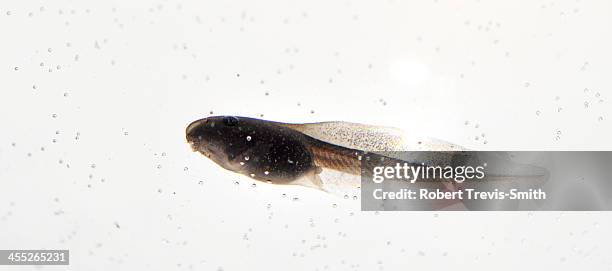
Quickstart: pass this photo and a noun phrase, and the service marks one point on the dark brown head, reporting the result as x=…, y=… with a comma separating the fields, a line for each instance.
x=260, y=149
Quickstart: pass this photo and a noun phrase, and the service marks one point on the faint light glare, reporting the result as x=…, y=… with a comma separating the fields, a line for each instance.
x=409, y=72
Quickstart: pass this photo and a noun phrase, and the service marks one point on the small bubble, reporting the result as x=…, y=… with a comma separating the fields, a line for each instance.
x=49, y=50
x=252, y=175
x=236, y=182
x=346, y=196
x=54, y=115
x=185, y=168
x=65, y=94
x=295, y=199
x=246, y=158
x=93, y=165
x=355, y=197
x=159, y=166
x=600, y=118
x=538, y=113
x=266, y=172
x=33, y=86
x=16, y=68
x=253, y=185
x=312, y=111
x=334, y=205
x=201, y=182
x=267, y=93
x=248, y=138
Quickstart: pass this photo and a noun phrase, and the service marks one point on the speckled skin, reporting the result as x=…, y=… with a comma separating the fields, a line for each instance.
x=267, y=151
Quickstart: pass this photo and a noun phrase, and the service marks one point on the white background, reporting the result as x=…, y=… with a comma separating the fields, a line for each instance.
x=95, y=97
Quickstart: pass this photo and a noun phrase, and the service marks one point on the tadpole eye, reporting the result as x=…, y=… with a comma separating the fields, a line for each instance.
x=230, y=121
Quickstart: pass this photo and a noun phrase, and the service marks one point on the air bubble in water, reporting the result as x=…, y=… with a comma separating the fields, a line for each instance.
x=185, y=168
x=248, y=138
x=253, y=185
x=266, y=172
x=246, y=158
